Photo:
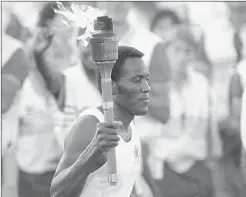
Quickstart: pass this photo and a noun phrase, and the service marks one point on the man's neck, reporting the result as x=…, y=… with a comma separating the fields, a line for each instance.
x=122, y=115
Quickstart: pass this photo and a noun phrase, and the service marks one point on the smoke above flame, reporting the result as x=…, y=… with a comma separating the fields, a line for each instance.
x=80, y=16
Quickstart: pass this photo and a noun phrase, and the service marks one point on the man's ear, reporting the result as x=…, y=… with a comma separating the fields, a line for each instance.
x=114, y=87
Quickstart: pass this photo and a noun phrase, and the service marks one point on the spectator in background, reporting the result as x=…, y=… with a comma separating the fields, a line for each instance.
x=38, y=151
x=178, y=155
x=165, y=23
x=230, y=126
x=15, y=68
x=159, y=100
x=237, y=20
x=74, y=88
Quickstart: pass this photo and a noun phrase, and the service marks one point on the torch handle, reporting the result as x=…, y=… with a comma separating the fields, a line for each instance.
x=109, y=117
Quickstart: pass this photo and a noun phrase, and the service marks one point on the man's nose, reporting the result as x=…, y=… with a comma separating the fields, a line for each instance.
x=145, y=86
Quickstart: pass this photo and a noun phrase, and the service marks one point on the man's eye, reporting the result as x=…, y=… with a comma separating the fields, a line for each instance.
x=137, y=79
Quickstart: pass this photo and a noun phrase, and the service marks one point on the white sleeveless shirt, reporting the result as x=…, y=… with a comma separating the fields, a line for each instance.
x=128, y=167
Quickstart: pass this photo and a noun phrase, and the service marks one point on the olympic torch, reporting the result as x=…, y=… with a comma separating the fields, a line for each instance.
x=104, y=48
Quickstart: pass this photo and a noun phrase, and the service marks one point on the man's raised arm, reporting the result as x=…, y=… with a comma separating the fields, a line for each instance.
x=85, y=152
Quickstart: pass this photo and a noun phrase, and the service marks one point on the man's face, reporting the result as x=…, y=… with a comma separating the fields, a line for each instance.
x=132, y=88
x=165, y=29
x=179, y=55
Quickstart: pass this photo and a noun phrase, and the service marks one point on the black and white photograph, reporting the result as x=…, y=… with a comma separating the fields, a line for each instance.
x=123, y=99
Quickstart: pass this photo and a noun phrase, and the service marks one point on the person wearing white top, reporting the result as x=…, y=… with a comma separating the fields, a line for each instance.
x=179, y=151
x=230, y=131
x=38, y=151
x=74, y=88
x=14, y=70
x=82, y=170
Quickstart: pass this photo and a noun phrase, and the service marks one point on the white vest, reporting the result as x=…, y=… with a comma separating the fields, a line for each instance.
x=128, y=167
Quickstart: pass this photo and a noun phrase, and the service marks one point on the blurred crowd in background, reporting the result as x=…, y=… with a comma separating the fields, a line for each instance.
x=191, y=139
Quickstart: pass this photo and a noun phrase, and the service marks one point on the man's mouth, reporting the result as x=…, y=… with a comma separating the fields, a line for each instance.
x=145, y=100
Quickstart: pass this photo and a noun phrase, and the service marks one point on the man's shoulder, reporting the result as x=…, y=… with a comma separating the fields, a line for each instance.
x=82, y=130
x=92, y=112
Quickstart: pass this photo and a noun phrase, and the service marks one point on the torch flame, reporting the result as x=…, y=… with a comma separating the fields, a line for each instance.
x=80, y=16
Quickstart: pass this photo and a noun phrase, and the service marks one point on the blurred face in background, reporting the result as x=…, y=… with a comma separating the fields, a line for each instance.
x=62, y=52
x=180, y=54
x=165, y=28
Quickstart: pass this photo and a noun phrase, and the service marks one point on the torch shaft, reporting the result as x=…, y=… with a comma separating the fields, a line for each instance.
x=106, y=84
x=104, y=48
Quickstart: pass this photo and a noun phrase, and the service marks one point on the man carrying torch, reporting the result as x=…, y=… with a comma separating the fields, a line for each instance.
x=102, y=152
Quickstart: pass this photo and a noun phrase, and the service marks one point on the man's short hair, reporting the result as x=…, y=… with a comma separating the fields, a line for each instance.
x=165, y=14
x=124, y=53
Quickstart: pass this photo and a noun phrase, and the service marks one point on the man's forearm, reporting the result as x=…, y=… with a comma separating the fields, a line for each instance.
x=71, y=181
x=52, y=78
